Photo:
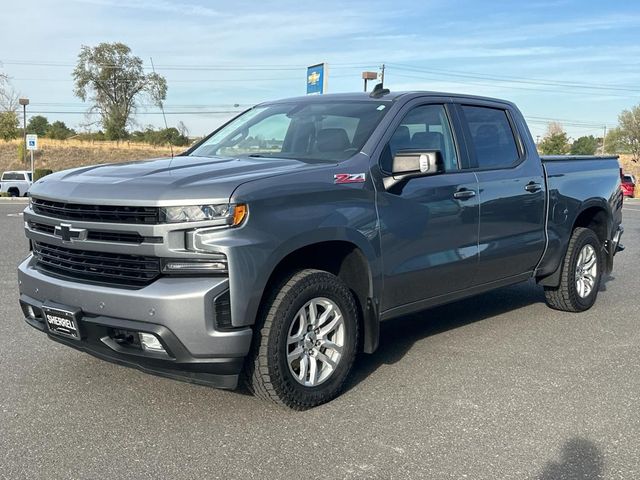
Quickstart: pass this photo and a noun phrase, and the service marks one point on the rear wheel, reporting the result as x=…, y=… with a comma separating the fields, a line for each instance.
x=306, y=343
x=14, y=192
x=581, y=274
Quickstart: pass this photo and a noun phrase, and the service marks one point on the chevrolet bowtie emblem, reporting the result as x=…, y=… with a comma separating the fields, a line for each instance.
x=313, y=78
x=69, y=234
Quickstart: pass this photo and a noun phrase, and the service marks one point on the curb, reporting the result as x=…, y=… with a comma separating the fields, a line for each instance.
x=16, y=200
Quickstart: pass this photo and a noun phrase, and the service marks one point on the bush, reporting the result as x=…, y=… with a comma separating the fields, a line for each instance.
x=21, y=152
x=38, y=173
x=4, y=194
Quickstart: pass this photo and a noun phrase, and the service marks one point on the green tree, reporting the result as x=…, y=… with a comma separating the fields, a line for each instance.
x=9, y=126
x=38, y=125
x=585, y=146
x=59, y=131
x=614, y=142
x=555, y=141
x=114, y=81
x=629, y=125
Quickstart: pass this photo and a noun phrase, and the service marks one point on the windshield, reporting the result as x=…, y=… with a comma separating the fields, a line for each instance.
x=330, y=131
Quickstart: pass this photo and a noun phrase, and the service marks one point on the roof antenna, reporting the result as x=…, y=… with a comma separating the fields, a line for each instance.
x=379, y=91
x=166, y=127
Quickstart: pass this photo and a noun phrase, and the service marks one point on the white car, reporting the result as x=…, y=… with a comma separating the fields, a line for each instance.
x=16, y=183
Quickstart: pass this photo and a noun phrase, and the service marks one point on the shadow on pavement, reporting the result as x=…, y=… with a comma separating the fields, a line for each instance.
x=398, y=336
x=580, y=460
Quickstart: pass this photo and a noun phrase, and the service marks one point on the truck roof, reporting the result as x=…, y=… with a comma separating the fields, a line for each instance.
x=388, y=97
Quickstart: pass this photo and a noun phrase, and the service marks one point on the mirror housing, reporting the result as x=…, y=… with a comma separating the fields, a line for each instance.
x=409, y=164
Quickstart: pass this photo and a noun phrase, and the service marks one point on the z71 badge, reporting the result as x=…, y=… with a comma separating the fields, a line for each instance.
x=349, y=178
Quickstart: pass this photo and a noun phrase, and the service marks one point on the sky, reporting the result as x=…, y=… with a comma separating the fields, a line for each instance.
x=573, y=61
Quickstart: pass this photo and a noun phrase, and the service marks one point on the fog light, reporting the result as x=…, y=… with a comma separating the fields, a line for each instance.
x=151, y=343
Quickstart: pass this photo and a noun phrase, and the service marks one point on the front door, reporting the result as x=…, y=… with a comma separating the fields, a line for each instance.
x=429, y=225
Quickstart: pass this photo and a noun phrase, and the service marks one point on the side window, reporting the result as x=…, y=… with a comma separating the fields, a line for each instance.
x=492, y=136
x=425, y=128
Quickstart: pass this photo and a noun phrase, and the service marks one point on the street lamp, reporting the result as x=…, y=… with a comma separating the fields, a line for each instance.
x=368, y=76
x=24, y=102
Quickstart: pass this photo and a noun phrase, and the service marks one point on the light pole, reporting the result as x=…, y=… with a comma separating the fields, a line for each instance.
x=366, y=76
x=24, y=102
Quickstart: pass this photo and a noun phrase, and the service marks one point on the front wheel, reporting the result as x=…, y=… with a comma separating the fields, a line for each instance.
x=306, y=342
x=581, y=274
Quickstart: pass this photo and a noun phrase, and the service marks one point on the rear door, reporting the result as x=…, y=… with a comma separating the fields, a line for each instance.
x=429, y=226
x=511, y=192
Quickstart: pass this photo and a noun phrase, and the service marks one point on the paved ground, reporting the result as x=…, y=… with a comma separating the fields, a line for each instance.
x=495, y=387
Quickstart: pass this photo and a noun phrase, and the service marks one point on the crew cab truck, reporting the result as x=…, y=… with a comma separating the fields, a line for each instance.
x=272, y=249
x=15, y=183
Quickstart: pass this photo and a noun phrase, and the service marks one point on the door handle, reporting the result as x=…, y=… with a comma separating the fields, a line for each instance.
x=463, y=194
x=533, y=187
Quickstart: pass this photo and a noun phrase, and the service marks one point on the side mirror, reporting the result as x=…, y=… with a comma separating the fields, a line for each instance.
x=409, y=164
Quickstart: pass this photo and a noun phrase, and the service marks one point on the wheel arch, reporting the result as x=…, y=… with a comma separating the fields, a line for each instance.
x=350, y=259
x=594, y=214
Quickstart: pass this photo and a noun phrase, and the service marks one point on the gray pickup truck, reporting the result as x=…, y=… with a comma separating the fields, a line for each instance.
x=272, y=249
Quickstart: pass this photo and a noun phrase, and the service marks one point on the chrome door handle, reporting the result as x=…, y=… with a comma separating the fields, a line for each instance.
x=463, y=194
x=533, y=187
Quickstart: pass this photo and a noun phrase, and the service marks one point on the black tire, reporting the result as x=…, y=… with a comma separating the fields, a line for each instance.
x=565, y=296
x=267, y=373
x=14, y=192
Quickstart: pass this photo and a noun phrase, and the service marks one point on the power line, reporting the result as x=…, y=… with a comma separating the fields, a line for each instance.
x=503, y=78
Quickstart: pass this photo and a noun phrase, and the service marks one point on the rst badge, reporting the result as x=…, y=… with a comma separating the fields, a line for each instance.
x=339, y=178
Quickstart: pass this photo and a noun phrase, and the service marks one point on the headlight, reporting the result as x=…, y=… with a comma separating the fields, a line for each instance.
x=224, y=214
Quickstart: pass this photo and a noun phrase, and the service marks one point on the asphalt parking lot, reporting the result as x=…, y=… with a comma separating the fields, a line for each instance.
x=494, y=387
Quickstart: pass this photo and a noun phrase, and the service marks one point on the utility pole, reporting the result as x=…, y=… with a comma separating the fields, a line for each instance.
x=24, y=102
x=604, y=139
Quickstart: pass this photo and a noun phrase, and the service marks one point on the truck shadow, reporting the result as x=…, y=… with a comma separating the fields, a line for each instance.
x=397, y=336
x=580, y=459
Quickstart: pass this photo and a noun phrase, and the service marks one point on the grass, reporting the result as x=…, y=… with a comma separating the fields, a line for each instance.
x=63, y=154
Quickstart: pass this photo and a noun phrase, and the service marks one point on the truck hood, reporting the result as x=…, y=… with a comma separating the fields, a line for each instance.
x=180, y=180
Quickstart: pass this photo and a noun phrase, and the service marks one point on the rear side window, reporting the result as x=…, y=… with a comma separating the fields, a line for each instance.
x=492, y=136
x=12, y=176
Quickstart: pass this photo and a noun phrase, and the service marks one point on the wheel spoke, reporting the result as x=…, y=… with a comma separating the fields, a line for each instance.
x=329, y=345
x=325, y=315
x=329, y=327
x=313, y=314
x=313, y=370
x=325, y=359
x=304, y=363
x=295, y=353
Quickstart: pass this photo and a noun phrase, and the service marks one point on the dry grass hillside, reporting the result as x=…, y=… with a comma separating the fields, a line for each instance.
x=62, y=154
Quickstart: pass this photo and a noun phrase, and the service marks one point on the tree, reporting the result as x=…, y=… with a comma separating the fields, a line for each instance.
x=585, y=146
x=9, y=126
x=38, y=125
x=8, y=96
x=614, y=142
x=59, y=131
x=629, y=125
x=555, y=141
x=114, y=81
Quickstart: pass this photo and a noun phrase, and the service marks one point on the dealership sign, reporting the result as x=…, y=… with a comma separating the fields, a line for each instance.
x=317, y=79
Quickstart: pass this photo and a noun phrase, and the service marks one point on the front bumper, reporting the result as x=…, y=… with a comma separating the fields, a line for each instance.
x=180, y=311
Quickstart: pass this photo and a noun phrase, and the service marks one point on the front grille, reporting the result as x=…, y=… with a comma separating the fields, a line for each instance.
x=132, y=271
x=99, y=236
x=95, y=213
x=118, y=237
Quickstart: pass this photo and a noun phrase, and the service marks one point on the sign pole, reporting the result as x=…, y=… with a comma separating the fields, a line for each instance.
x=32, y=172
